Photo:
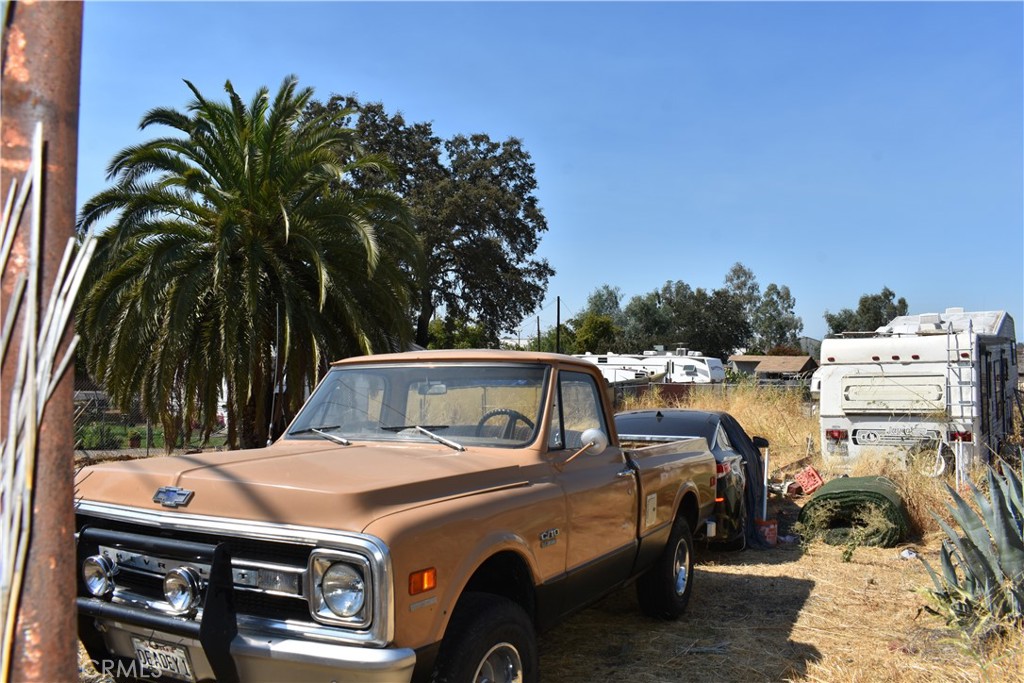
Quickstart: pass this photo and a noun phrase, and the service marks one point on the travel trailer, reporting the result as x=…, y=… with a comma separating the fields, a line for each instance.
x=938, y=384
x=681, y=367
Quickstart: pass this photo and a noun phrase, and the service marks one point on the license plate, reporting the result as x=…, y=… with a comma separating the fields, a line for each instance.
x=162, y=660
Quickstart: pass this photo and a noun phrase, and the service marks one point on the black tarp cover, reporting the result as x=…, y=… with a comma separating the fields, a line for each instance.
x=754, y=466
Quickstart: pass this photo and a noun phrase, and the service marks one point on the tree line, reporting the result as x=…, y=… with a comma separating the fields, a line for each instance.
x=737, y=316
x=253, y=242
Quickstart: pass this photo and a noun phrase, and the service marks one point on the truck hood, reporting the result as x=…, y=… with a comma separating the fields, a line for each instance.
x=308, y=483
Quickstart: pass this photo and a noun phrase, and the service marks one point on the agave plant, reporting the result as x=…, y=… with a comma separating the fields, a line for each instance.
x=982, y=574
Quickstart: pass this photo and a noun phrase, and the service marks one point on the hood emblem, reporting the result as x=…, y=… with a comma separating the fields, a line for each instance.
x=172, y=496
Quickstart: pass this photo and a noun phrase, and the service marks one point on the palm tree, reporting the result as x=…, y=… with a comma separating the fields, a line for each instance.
x=240, y=253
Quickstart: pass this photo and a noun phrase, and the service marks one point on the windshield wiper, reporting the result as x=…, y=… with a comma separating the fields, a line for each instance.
x=427, y=432
x=322, y=432
x=439, y=439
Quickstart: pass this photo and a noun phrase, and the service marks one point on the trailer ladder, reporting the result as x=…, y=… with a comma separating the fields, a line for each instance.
x=961, y=378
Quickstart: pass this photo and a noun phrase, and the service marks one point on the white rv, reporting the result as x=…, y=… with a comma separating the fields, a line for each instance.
x=936, y=383
x=680, y=367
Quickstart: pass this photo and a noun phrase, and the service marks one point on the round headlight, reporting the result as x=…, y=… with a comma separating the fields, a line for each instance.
x=343, y=590
x=182, y=589
x=98, y=575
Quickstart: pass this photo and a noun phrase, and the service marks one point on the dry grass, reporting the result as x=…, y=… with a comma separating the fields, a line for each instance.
x=787, y=614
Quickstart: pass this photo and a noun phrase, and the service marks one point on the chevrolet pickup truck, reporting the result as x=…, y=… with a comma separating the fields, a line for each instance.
x=423, y=517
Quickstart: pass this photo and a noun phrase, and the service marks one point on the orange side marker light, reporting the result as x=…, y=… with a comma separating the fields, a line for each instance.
x=422, y=581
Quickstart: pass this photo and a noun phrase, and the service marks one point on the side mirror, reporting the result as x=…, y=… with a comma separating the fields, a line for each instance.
x=597, y=438
x=760, y=442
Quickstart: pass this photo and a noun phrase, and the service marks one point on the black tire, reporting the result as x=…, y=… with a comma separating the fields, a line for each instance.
x=664, y=589
x=486, y=638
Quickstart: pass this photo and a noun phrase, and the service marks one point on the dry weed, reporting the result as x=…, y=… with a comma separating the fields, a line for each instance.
x=787, y=614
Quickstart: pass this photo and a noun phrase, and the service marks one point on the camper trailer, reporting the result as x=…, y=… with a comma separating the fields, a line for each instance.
x=938, y=384
x=682, y=366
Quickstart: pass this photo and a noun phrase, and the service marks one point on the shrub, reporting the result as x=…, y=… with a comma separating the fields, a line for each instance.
x=98, y=436
x=981, y=585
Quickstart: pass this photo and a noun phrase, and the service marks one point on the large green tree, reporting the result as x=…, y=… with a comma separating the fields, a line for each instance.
x=605, y=300
x=595, y=332
x=774, y=322
x=712, y=322
x=240, y=253
x=742, y=283
x=873, y=311
x=597, y=328
x=646, y=322
x=473, y=205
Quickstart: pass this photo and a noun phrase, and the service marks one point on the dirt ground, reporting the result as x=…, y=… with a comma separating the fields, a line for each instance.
x=792, y=613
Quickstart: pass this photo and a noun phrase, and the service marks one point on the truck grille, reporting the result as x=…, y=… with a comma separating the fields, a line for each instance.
x=223, y=573
x=140, y=571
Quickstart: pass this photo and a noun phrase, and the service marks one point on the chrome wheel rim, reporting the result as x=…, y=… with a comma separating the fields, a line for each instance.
x=681, y=567
x=501, y=664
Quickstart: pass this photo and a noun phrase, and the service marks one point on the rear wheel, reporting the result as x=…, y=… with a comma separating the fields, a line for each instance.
x=490, y=639
x=664, y=590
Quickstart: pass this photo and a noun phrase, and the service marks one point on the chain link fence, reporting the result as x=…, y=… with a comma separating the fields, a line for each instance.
x=104, y=432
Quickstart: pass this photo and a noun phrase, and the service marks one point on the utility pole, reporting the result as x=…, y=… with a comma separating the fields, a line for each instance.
x=42, y=56
x=558, y=324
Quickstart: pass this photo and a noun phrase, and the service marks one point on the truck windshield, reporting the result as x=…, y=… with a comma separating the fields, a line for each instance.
x=490, y=405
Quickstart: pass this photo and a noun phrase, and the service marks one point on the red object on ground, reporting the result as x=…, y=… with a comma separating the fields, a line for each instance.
x=809, y=480
x=768, y=529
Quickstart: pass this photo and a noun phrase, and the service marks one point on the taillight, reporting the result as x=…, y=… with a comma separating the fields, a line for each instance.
x=960, y=436
x=722, y=469
x=835, y=434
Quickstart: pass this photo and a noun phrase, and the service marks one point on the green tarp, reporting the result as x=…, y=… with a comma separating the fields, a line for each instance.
x=868, y=510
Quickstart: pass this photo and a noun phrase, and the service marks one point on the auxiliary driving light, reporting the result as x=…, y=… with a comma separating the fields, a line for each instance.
x=182, y=589
x=98, y=574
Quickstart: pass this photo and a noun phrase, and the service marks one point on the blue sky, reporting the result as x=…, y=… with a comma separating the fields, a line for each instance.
x=832, y=147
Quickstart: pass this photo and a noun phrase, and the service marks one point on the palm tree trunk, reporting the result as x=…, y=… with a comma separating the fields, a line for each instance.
x=248, y=432
x=423, y=320
x=231, y=416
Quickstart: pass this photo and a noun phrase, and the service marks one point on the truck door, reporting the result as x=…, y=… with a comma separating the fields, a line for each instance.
x=600, y=489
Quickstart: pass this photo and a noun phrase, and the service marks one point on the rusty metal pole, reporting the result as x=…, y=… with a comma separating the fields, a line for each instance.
x=42, y=57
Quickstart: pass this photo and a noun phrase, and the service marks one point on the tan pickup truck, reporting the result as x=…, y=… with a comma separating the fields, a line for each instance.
x=423, y=517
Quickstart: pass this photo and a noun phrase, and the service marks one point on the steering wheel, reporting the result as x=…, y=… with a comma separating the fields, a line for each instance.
x=513, y=417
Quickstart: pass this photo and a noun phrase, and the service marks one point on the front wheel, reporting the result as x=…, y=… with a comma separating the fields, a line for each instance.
x=490, y=639
x=664, y=589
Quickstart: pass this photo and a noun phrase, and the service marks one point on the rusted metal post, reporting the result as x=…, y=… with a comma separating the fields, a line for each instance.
x=42, y=56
